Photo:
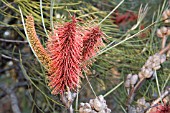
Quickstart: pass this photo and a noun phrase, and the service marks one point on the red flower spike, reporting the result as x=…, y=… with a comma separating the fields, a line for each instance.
x=65, y=48
x=91, y=42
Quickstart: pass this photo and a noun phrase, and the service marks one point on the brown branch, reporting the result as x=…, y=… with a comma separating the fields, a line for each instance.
x=165, y=49
x=140, y=83
x=8, y=57
x=13, y=41
x=133, y=92
x=67, y=98
x=67, y=103
x=164, y=39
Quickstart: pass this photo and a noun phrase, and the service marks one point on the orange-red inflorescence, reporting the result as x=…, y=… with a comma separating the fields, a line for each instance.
x=91, y=41
x=65, y=47
x=68, y=47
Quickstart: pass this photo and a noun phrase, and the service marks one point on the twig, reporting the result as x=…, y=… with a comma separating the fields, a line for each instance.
x=167, y=48
x=63, y=99
x=140, y=83
x=67, y=99
x=8, y=57
x=164, y=41
x=133, y=92
x=13, y=41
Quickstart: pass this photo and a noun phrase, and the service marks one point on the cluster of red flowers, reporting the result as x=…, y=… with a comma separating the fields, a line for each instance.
x=69, y=46
x=123, y=19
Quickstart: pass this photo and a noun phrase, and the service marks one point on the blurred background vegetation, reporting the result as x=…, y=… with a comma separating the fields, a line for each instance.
x=21, y=73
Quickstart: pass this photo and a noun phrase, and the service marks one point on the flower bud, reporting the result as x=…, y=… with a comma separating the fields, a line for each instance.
x=164, y=16
x=134, y=79
x=97, y=105
x=167, y=21
x=156, y=59
x=101, y=98
x=168, y=12
x=147, y=105
x=141, y=101
x=91, y=102
x=159, y=33
x=164, y=30
x=163, y=58
x=108, y=110
x=157, y=67
x=81, y=110
x=148, y=64
x=81, y=104
x=150, y=58
x=93, y=111
x=102, y=111
x=129, y=76
x=155, y=64
x=127, y=83
x=157, y=56
x=141, y=76
x=148, y=73
x=87, y=111
x=87, y=105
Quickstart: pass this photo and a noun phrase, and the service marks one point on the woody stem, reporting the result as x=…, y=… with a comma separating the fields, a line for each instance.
x=164, y=41
x=165, y=49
